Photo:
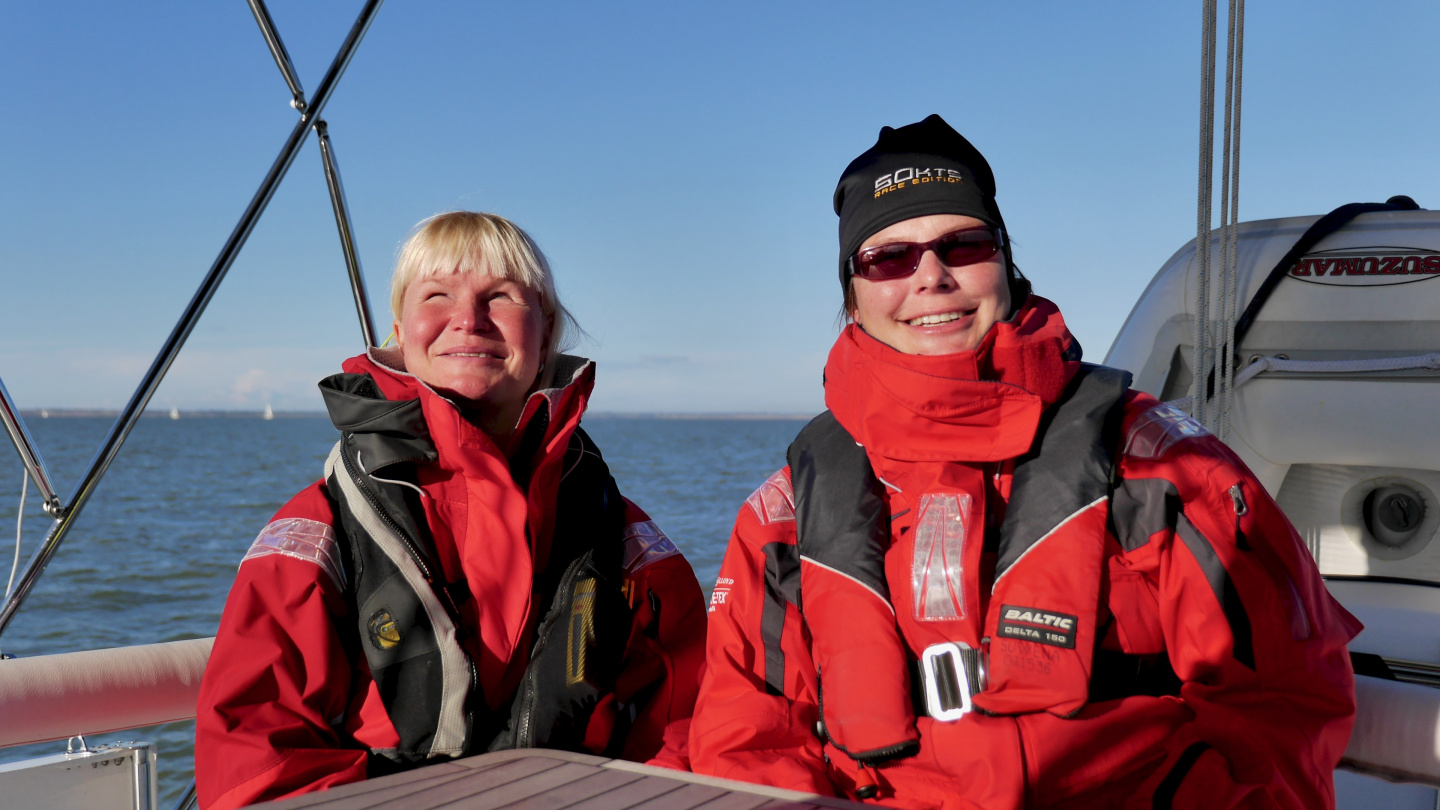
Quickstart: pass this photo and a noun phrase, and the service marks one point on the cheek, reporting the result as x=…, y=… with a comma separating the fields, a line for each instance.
x=988, y=282
x=873, y=301
x=415, y=328
x=523, y=329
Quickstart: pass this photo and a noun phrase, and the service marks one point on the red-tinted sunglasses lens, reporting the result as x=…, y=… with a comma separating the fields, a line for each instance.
x=881, y=262
x=966, y=247
x=900, y=259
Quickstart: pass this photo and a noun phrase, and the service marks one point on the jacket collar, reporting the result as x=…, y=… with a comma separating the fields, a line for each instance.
x=979, y=405
x=396, y=417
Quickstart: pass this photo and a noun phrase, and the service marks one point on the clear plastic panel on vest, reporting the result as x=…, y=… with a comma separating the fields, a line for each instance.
x=937, y=573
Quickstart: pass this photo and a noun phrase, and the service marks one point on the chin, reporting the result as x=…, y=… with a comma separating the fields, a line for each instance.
x=950, y=344
x=466, y=391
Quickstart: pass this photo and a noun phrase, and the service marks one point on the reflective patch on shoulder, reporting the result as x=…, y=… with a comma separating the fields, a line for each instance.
x=301, y=539
x=774, y=501
x=645, y=544
x=1158, y=429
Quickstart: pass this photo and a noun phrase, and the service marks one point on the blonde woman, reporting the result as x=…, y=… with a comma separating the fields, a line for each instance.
x=403, y=610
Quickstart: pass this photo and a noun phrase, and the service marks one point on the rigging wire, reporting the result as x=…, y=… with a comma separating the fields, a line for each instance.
x=1230, y=218
x=1213, y=356
x=1202, y=211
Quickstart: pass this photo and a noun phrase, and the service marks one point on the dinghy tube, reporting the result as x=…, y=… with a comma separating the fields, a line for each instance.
x=55, y=697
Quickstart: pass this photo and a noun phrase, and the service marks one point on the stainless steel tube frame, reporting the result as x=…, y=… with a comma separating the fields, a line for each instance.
x=277, y=50
x=34, y=465
x=347, y=233
x=188, y=799
x=136, y=406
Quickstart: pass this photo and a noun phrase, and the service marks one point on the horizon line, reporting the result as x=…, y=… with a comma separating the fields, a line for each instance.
x=238, y=413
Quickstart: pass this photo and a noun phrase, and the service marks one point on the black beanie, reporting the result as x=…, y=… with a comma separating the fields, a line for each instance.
x=916, y=170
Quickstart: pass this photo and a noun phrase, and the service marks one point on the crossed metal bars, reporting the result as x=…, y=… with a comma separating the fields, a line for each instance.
x=66, y=513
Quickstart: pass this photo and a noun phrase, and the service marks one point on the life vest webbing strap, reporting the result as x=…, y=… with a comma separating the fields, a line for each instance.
x=973, y=664
x=450, y=731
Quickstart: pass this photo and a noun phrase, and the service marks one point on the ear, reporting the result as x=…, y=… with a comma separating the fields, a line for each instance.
x=399, y=335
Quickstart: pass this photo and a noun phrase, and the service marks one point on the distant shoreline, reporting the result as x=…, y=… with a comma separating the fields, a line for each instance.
x=787, y=417
x=153, y=413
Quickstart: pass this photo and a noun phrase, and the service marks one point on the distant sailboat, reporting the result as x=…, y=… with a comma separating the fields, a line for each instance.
x=174, y=413
x=269, y=413
x=44, y=414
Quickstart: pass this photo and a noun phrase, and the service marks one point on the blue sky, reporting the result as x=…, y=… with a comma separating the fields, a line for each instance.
x=674, y=160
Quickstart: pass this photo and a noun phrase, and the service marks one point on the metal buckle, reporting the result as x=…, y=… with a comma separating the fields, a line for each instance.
x=947, y=685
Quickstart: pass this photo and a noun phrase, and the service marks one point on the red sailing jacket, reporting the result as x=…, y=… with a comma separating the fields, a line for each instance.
x=1185, y=565
x=285, y=708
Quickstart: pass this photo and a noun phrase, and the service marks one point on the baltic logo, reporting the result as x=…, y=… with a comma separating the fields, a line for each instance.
x=1040, y=626
x=1367, y=266
x=913, y=176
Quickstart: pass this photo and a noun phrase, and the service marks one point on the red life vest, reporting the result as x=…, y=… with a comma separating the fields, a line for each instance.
x=1033, y=648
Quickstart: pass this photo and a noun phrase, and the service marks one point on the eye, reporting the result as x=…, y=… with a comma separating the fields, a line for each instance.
x=510, y=294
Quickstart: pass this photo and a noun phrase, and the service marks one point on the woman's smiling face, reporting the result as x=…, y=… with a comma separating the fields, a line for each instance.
x=475, y=338
x=938, y=309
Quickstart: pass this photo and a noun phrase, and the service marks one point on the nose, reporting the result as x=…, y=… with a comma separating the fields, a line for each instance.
x=932, y=274
x=473, y=316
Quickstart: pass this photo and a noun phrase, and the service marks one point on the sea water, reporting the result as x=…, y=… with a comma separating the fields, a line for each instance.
x=152, y=556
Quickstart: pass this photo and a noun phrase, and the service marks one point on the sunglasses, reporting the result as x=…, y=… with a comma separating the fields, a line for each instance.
x=901, y=259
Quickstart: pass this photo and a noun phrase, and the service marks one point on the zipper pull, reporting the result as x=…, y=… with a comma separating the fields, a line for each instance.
x=866, y=785
x=1238, y=499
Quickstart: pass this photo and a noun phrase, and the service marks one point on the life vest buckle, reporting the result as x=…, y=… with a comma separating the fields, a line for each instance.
x=943, y=668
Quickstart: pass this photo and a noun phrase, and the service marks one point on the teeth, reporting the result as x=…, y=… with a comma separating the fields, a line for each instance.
x=930, y=320
x=470, y=354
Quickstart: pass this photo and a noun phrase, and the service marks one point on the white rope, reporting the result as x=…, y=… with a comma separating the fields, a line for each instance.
x=1200, y=361
x=1429, y=362
x=19, y=525
x=1261, y=365
x=360, y=459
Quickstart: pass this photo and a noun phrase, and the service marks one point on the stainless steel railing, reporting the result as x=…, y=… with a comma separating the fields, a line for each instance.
x=65, y=514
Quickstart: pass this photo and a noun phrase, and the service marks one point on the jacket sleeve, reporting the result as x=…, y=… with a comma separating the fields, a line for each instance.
x=666, y=650
x=756, y=713
x=1257, y=642
x=278, y=676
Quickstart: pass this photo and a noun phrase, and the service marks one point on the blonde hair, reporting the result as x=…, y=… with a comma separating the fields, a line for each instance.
x=483, y=244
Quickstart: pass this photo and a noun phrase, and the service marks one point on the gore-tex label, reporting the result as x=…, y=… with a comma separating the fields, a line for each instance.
x=1040, y=626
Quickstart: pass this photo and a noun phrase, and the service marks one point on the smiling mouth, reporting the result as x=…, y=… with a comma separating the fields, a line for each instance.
x=938, y=318
x=473, y=354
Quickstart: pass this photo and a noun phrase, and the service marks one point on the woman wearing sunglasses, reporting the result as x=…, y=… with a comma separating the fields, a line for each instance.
x=994, y=576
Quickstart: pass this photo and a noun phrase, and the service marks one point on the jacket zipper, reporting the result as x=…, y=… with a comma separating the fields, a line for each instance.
x=527, y=695
x=390, y=522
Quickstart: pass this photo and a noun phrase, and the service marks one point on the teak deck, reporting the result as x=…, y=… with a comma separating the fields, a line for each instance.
x=534, y=779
